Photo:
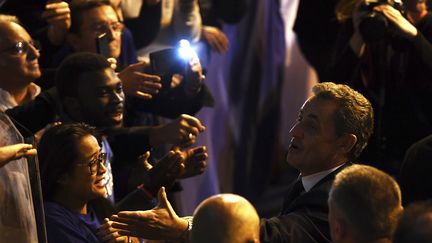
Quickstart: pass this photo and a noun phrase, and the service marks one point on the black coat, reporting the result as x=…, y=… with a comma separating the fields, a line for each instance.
x=303, y=218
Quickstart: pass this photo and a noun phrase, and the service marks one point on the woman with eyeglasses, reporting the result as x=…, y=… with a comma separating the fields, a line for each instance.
x=73, y=177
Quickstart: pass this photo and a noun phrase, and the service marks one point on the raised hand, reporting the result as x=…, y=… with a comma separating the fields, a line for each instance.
x=57, y=15
x=217, y=39
x=194, y=160
x=404, y=27
x=180, y=132
x=136, y=83
x=159, y=223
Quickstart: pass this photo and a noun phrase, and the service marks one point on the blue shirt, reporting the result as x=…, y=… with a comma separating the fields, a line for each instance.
x=66, y=226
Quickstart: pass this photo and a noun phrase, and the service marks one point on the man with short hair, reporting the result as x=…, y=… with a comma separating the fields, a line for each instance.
x=364, y=206
x=415, y=224
x=333, y=127
x=225, y=218
x=19, y=65
x=91, y=19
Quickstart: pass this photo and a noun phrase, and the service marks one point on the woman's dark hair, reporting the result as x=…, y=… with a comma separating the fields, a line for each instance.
x=57, y=152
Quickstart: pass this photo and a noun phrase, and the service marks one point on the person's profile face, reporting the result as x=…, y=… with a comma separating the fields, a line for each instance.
x=18, y=56
x=82, y=183
x=101, y=99
x=313, y=144
x=95, y=22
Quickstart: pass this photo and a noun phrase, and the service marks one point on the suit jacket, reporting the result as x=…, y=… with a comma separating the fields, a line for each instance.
x=303, y=218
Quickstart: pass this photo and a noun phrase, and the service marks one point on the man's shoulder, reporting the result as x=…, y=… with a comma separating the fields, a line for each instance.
x=296, y=226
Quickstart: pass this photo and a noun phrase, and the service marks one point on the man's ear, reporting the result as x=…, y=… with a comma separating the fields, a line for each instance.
x=347, y=142
x=73, y=40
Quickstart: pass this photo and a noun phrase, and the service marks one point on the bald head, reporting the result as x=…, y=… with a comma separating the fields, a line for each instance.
x=225, y=218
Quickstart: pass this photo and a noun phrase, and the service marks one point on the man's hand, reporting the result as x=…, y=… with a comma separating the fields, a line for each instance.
x=194, y=77
x=139, y=84
x=181, y=132
x=194, y=160
x=159, y=223
x=404, y=27
x=217, y=39
x=16, y=151
x=110, y=235
x=57, y=15
x=163, y=173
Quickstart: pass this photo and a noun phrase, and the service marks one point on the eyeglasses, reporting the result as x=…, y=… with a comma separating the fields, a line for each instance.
x=117, y=27
x=95, y=163
x=22, y=47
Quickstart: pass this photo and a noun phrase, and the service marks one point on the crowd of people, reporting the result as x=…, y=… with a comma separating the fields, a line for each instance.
x=94, y=138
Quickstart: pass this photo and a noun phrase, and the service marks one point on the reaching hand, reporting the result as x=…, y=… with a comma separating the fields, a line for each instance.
x=181, y=132
x=194, y=77
x=404, y=27
x=110, y=235
x=16, y=151
x=217, y=39
x=194, y=160
x=159, y=223
x=139, y=84
x=57, y=15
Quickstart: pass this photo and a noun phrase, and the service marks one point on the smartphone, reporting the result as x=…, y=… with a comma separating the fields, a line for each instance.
x=102, y=45
x=164, y=62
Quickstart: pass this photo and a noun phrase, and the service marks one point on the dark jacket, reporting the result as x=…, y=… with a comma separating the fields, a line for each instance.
x=303, y=218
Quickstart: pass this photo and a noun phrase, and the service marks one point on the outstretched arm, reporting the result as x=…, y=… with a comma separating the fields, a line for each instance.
x=159, y=223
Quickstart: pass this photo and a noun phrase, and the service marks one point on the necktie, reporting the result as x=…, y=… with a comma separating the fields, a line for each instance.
x=295, y=191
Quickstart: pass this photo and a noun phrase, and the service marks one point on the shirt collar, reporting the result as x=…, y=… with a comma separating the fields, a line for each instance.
x=311, y=180
x=7, y=101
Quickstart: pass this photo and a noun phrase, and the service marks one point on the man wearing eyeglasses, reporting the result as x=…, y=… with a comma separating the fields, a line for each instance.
x=91, y=19
x=19, y=65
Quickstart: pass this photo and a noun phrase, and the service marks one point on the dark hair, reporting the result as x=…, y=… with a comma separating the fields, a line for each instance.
x=79, y=7
x=414, y=177
x=73, y=67
x=57, y=153
x=415, y=224
x=354, y=116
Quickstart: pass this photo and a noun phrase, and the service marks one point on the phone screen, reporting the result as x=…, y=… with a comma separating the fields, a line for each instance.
x=102, y=45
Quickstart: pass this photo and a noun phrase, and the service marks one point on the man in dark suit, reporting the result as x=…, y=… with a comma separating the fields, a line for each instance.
x=333, y=127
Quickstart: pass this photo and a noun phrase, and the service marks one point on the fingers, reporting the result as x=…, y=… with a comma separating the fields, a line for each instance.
x=56, y=9
x=131, y=216
x=196, y=162
x=169, y=165
x=144, y=159
x=163, y=201
x=139, y=84
x=108, y=233
x=216, y=38
x=23, y=149
x=30, y=152
x=395, y=16
x=139, y=66
x=193, y=123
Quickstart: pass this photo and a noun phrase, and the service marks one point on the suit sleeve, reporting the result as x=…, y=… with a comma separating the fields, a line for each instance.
x=289, y=228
